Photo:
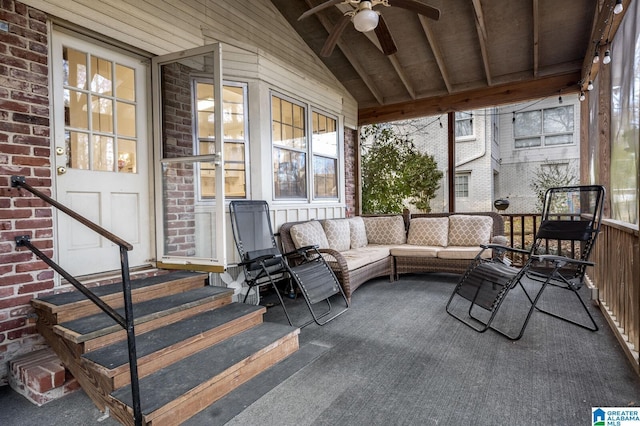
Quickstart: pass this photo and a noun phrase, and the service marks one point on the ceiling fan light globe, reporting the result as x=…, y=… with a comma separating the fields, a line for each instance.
x=365, y=20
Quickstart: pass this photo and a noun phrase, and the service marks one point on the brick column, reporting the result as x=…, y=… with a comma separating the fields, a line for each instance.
x=25, y=149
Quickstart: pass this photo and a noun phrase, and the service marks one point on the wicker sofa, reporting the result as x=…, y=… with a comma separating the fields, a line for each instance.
x=361, y=248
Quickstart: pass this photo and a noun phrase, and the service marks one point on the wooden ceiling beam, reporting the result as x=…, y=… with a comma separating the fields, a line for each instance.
x=437, y=53
x=393, y=59
x=482, y=36
x=472, y=99
x=351, y=57
x=605, y=26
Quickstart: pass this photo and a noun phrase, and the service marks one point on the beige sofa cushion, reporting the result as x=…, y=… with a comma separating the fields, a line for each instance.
x=358, y=232
x=429, y=231
x=338, y=234
x=309, y=234
x=357, y=258
x=462, y=253
x=469, y=230
x=386, y=230
x=408, y=250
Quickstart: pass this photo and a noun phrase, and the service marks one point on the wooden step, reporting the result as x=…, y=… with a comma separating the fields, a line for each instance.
x=68, y=306
x=159, y=348
x=177, y=392
x=98, y=330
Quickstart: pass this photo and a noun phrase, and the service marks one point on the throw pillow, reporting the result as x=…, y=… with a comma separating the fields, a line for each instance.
x=338, y=234
x=469, y=230
x=309, y=234
x=385, y=230
x=429, y=231
x=358, y=232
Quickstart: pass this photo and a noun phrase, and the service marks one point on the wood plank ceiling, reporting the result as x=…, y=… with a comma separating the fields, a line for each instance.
x=479, y=53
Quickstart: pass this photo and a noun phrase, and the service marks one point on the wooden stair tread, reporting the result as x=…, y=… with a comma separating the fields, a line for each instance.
x=117, y=354
x=170, y=383
x=86, y=328
x=61, y=299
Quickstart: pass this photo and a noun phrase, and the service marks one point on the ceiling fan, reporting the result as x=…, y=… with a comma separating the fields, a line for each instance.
x=365, y=19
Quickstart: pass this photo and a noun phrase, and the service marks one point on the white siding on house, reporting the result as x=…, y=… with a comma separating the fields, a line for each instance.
x=518, y=167
x=251, y=44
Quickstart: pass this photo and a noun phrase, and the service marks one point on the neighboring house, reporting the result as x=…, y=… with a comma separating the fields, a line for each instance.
x=500, y=151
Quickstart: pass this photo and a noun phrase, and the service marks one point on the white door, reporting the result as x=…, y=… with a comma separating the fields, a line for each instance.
x=101, y=154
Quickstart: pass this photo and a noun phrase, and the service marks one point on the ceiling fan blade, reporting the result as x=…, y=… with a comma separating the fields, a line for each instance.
x=417, y=7
x=384, y=37
x=319, y=7
x=334, y=35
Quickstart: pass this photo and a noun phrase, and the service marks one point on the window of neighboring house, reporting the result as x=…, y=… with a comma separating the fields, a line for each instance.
x=464, y=125
x=324, y=142
x=544, y=127
x=235, y=137
x=462, y=185
x=495, y=126
x=289, y=137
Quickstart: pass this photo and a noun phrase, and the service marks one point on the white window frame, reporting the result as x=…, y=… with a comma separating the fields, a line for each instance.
x=467, y=180
x=197, y=139
x=542, y=134
x=461, y=116
x=308, y=152
x=313, y=155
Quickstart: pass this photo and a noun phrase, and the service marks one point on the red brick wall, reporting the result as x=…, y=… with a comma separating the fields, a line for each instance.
x=179, y=190
x=351, y=147
x=24, y=150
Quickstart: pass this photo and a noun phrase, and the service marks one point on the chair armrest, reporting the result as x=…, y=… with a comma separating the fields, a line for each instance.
x=259, y=259
x=500, y=247
x=337, y=256
x=561, y=259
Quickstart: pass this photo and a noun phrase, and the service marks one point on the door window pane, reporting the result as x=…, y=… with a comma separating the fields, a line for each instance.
x=76, y=109
x=127, y=156
x=101, y=81
x=103, y=154
x=126, y=114
x=125, y=80
x=108, y=118
x=77, y=147
x=102, y=115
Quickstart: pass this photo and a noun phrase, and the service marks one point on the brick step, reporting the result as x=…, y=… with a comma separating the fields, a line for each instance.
x=177, y=392
x=98, y=330
x=73, y=304
x=159, y=348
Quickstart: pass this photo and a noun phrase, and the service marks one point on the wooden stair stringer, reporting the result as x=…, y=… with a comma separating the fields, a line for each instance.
x=175, y=410
x=116, y=374
x=69, y=353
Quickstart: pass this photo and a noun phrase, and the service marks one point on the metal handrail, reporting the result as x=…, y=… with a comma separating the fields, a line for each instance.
x=128, y=320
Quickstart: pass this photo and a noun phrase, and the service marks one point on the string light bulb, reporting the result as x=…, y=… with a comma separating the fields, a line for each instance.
x=582, y=96
x=560, y=99
x=618, y=8
x=596, y=57
x=607, y=57
x=590, y=85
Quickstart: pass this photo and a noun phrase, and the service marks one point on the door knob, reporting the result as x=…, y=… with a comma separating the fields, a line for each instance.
x=61, y=170
x=59, y=150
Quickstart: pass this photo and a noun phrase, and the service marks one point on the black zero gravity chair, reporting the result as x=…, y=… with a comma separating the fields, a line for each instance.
x=264, y=264
x=570, y=221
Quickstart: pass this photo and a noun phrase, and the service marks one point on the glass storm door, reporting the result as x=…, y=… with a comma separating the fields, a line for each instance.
x=101, y=154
